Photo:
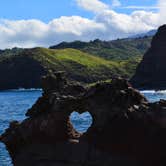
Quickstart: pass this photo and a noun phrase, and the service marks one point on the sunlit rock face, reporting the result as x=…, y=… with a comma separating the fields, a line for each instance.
x=150, y=73
x=126, y=130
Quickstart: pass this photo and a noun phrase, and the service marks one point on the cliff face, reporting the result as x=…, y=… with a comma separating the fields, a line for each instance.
x=150, y=73
x=126, y=129
x=21, y=72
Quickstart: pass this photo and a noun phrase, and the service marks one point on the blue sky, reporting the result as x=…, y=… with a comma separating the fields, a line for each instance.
x=47, y=10
x=31, y=23
x=44, y=10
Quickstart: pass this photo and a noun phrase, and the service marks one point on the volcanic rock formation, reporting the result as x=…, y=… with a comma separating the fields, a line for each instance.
x=127, y=130
x=150, y=73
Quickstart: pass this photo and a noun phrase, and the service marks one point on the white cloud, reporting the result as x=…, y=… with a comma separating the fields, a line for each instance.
x=92, y=5
x=162, y=11
x=116, y=3
x=141, y=7
x=122, y=25
x=106, y=24
x=29, y=33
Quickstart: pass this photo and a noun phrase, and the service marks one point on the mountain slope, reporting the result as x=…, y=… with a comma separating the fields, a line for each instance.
x=117, y=50
x=26, y=68
x=150, y=33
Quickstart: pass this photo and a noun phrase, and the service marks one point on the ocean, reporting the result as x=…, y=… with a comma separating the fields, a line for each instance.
x=14, y=104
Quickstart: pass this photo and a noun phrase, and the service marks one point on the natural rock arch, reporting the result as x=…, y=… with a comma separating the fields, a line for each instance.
x=124, y=124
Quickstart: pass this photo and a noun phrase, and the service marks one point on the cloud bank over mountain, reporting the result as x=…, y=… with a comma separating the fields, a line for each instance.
x=106, y=24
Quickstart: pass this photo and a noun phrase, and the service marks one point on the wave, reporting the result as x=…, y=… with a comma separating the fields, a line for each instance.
x=153, y=91
x=39, y=89
x=22, y=90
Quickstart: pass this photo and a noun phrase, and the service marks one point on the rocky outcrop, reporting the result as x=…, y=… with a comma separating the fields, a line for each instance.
x=127, y=130
x=150, y=73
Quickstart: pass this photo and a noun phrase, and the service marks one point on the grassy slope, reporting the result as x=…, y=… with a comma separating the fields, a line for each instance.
x=117, y=50
x=111, y=58
x=126, y=53
x=79, y=65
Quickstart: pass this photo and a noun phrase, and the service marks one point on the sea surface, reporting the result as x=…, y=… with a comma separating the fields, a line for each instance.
x=14, y=104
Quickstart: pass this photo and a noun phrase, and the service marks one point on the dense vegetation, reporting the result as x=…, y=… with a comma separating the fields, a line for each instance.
x=126, y=53
x=79, y=66
x=86, y=62
x=26, y=68
x=117, y=50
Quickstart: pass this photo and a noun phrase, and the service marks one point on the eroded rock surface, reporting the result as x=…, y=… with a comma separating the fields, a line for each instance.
x=127, y=130
x=150, y=73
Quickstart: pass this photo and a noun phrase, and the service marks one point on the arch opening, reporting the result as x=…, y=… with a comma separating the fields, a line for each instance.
x=81, y=122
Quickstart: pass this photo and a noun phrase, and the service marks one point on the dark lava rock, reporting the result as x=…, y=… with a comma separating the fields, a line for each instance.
x=127, y=130
x=150, y=73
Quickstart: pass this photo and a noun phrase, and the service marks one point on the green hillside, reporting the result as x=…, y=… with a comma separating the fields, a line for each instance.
x=25, y=68
x=117, y=50
x=79, y=66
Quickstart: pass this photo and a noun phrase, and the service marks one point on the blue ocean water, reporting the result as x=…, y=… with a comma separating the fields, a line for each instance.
x=14, y=104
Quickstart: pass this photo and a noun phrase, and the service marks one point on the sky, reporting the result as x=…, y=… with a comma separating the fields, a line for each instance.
x=31, y=23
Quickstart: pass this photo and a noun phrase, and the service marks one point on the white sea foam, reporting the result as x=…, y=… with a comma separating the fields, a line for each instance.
x=23, y=89
x=153, y=91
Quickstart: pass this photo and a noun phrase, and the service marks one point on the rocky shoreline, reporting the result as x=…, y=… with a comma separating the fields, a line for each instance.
x=126, y=130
